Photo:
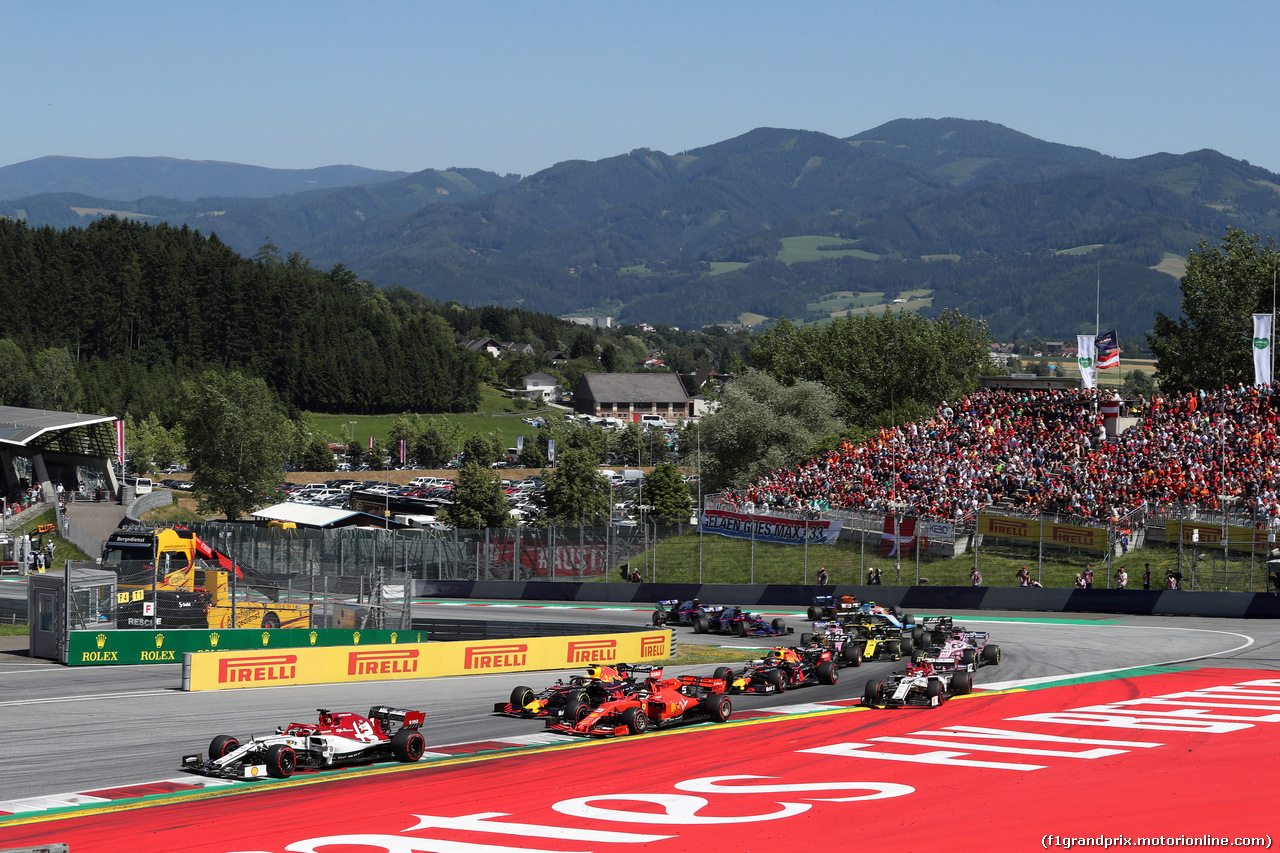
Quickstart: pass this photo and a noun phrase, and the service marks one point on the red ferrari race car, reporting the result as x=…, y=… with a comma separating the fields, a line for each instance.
x=918, y=686
x=600, y=684
x=783, y=669
x=656, y=704
x=338, y=738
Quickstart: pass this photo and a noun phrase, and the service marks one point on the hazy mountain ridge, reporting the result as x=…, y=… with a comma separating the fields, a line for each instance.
x=637, y=233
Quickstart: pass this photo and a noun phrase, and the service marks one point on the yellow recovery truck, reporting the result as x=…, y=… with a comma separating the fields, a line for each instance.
x=190, y=585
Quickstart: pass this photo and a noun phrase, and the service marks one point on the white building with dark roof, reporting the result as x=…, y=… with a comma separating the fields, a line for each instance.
x=630, y=395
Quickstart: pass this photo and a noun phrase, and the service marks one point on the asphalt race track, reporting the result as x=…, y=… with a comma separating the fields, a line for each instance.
x=82, y=728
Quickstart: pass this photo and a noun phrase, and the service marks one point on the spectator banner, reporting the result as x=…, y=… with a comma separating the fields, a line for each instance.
x=940, y=532
x=1034, y=530
x=1086, y=346
x=1262, y=349
x=1243, y=538
x=389, y=662
x=769, y=528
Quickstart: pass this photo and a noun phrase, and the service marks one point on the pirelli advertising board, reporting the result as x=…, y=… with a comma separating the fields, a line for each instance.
x=1240, y=538
x=232, y=670
x=1034, y=530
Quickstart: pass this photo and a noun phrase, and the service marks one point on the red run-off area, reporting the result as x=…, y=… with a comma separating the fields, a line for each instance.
x=1178, y=754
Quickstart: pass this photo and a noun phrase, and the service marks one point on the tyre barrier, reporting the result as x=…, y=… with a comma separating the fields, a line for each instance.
x=1136, y=602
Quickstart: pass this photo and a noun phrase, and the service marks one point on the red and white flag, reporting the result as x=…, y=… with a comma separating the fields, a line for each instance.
x=897, y=536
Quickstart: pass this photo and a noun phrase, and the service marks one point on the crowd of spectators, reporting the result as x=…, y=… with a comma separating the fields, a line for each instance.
x=1047, y=451
x=22, y=500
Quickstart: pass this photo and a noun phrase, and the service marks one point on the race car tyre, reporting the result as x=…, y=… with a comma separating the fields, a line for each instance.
x=718, y=708
x=740, y=628
x=908, y=619
x=926, y=640
x=281, y=761
x=968, y=656
x=933, y=690
x=778, y=625
x=583, y=697
x=852, y=655
x=962, y=683
x=520, y=697
x=871, y=695
x=408, y=745
x=659, y=618
x=724, y=673
x=907, y=645
x=917, y=635
x=990, y=654
x=575, y=711
x=701, y=625
x=894, y=648
x=814, y=614
x=806, y=638
x=222, y=745
x=635, y=721
x=775, y=678
x=270, y=622
x=828, y=673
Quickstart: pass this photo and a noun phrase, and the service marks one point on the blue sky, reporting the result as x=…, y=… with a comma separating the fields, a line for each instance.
x=518, y=86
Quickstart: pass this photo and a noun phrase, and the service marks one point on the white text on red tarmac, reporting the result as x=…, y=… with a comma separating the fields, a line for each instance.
x=679, y=810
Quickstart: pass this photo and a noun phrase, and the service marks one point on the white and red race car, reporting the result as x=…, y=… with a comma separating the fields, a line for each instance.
x=338, y=738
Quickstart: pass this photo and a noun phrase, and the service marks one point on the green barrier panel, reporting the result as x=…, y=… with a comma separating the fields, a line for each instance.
x=107, y=648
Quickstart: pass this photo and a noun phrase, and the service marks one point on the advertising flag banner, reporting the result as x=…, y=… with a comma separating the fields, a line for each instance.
x=371, y=442
x=1085, y=358
x=1262, y=349
x=519, y=444
x=1108, y=350
x=551, y=450
x=120, y=443
x=402, y=450
x=768, y=528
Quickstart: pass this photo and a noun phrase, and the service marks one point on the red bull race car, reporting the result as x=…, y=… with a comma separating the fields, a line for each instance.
x=783, y=669
x=337, y=739
x=920, y=685
x=600, y=684
x=658, y=703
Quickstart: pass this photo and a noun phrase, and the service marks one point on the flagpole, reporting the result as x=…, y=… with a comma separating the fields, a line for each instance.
x=1097, y=304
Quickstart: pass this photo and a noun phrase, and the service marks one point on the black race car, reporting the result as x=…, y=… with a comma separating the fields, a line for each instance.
x=735, y=620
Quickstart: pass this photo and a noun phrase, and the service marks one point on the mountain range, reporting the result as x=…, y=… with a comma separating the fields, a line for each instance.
x=936, y=213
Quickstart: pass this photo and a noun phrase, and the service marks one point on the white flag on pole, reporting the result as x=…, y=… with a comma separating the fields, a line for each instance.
x=1086, y=355
x=1262, y=349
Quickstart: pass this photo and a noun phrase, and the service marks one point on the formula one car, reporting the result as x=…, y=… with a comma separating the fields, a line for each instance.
x=831, y=607
x=735, y=620
x=783, y=669
x=918, y=686
x=658, y=703
x=337, y=739
x=677, y=612
x=600, y=684
x=877, y=640
x=970, y=649
x=832, y=635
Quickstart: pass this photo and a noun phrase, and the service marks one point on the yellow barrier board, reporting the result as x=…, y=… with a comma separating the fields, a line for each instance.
x=1050, y=533
x=1240, y=538
x=337, y=664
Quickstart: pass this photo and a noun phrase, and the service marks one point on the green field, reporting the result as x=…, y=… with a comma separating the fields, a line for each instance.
x=719, y=267
x=1079, y=250
x=497, y=413
x=845, y=302
x=797, y=250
